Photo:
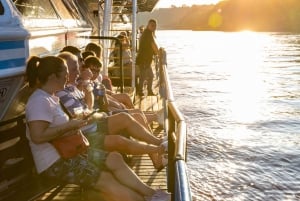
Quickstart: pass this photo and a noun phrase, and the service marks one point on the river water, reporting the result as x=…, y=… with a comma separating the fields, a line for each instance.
x=240, y=95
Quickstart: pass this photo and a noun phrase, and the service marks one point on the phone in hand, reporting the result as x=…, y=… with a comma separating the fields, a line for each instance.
x=91, y=114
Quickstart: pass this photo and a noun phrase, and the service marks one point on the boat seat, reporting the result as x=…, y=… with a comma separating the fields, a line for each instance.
x=19, y=179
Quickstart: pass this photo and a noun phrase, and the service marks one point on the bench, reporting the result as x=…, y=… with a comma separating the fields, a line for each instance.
x=19, y=180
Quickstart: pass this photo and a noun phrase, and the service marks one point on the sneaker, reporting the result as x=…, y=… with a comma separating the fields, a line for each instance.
x=161, y=195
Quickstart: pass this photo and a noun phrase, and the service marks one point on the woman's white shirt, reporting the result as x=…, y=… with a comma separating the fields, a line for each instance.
x=45, y=107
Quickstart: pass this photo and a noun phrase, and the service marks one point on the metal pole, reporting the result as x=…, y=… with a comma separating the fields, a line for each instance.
x=134, y=33
x=99, y=19
x=106, y=32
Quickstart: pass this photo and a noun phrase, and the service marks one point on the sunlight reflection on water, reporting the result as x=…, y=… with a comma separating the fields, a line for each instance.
x=240, y=95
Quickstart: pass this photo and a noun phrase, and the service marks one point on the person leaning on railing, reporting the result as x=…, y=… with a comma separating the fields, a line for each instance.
x=111, y=178
x=148, y=47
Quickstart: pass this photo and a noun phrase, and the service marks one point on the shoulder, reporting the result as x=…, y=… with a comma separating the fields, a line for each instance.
x=40, y=106
x=39, y=97
x=67, y=90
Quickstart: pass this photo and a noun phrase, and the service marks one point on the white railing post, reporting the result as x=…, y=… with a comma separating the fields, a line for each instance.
x=106, y=32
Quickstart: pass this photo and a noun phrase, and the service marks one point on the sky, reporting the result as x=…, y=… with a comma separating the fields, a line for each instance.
x=178, y=3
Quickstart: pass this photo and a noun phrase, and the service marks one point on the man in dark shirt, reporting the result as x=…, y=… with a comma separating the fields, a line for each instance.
x=147, y=48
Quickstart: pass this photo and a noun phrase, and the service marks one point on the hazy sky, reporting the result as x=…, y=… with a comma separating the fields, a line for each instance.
x=168, y=3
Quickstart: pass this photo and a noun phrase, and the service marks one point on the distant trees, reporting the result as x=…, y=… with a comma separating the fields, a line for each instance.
x=232, y=15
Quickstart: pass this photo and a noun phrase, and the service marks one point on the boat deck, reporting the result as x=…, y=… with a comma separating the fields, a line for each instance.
x=141, y=164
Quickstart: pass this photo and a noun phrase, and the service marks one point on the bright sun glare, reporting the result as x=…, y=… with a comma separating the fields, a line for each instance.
x=178, y=3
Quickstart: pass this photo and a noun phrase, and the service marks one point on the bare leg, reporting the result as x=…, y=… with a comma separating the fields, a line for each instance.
x=121, y=183
x=125, y=99
x=126, y=176
x=141, y=119
x=123, y=145
x=112, y=190
x=151, y=116
x=123, y=121
x=114, y=104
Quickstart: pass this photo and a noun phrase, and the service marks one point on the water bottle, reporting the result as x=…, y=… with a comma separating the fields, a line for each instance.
x=102, y=101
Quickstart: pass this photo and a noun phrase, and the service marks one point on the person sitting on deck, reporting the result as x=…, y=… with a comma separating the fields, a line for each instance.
x=85, y=54
x=93, y=47
x=114, y=103
x=94, y=64
x=97, y=49
x=109, y=177
x=126, y=57
x=124, y=98
x=76, y=51
x=104, y=132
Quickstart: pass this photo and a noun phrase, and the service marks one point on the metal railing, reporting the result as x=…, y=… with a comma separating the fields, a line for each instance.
x=176, y=129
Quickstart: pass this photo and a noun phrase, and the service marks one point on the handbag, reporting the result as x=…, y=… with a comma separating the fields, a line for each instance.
x=71, y=145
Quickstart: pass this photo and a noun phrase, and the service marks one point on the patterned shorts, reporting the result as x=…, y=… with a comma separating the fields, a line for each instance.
x=83, y=170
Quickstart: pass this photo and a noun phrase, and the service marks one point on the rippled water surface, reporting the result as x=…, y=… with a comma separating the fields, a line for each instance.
x=240, y=94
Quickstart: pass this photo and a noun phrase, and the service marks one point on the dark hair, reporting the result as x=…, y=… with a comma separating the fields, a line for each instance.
x=152, y=20
x=72, y=49
x=85, y=54
x=66, y=56
x=92, y=60
x=93, y=47
x=39, y=69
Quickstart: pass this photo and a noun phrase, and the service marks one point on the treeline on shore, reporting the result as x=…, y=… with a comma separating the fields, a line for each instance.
x=230, y=15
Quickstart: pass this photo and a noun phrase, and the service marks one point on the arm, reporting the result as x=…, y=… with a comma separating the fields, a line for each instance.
x=154, y=44
x=155, y=47
x=73, y=100
x=89, y=98
x=50, y=133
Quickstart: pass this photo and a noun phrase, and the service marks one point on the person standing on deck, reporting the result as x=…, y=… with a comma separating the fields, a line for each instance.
x=147, y=49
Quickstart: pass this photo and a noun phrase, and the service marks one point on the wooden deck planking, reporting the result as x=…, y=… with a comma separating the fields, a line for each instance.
x=144, y=167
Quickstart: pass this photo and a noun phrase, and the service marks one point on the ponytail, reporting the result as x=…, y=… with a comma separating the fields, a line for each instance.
x=32, y=71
